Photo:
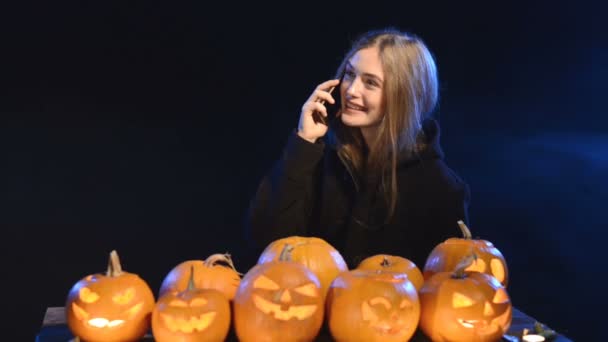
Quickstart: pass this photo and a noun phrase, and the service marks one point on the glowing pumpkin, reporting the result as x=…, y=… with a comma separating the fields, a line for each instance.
x=464, y=306
x=209, y=274
x=113, y=307
x=392, y=263
x=316, y=254
x=364, y=305
x=191, y=315
x=445, y=256
x=278, y=301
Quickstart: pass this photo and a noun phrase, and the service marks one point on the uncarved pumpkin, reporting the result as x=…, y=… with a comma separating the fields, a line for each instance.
x=113, y=307
x=315, y=253
x=209, y=274
x=446, y=255
x=394, y=263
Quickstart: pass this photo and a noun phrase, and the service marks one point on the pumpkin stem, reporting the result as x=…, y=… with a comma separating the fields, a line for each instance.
x=114, y=267
x=286, y=253
x=466, y=233
x=226, y=258
x=385, y=262
x=191, y=285
x=459, y=270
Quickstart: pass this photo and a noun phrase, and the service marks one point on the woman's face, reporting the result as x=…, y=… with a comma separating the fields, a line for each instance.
x=361, y=89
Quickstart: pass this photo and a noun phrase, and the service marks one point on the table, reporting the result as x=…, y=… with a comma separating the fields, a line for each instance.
x=54, y=328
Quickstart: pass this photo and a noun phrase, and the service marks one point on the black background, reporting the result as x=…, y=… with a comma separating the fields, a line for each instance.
x=145, y=127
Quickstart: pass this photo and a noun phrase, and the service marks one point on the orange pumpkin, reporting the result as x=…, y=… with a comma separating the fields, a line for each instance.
x=464, y=306
x=392, y=263
x=365, y=305
x=111, y=307
x=445, y=256
x=209, y=274
x=191, y=315
x=315, y=253
x=278, y=301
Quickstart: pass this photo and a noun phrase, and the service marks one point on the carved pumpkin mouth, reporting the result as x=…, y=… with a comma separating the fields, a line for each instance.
x=388, y=328
x=102, y=322
x=299, y=312
x=484, y=326
x=195, y=323
x=383, y=327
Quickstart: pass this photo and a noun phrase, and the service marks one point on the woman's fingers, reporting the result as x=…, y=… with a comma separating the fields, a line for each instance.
x=322, y=95
x=328, y=84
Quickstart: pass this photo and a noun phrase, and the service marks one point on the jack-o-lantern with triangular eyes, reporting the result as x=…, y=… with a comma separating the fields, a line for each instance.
x=278, y=301
x=113, y=307
x=365, y=305
x=191, y=315
x=446, y=255
x=464, y=306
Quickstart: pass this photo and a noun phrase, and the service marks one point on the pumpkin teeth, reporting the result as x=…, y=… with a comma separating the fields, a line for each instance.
x=199, y=323
x=468, y=323
x=299, y=312
x=99, y=322
x=388, y=329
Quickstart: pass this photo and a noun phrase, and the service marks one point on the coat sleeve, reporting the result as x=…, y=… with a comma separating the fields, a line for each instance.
x=283, y=202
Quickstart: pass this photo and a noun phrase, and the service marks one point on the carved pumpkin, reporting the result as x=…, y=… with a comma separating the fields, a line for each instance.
x=445, y=256
x=464, y=306
x=392, y=263
x=208, y=275
x=111, y=307
x=364, y=305
x=191, y=315
x=278, y=301
x=316, y=254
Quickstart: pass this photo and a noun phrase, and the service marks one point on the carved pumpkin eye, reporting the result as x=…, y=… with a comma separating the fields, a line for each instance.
x=500, y=297
x=382, y=301
x=367, y=314
x=405, y=304
x=309, y=290
x=134, y=310
x=124, y=297
x=461, y=301
x=86, y=295
x=178, y=303
x=477, y=266
x=265, y=283
x=198, y=302
x=498, y=270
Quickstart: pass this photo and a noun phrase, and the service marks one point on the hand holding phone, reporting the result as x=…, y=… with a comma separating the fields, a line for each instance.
x=313, y=118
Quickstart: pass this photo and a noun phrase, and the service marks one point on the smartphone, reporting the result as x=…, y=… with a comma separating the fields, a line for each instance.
x=332, y=109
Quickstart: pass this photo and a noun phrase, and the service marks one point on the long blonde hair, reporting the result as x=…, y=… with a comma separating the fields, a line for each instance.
x=410, y=95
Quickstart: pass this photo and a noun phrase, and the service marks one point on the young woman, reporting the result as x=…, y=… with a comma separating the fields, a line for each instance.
x=373, y=179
